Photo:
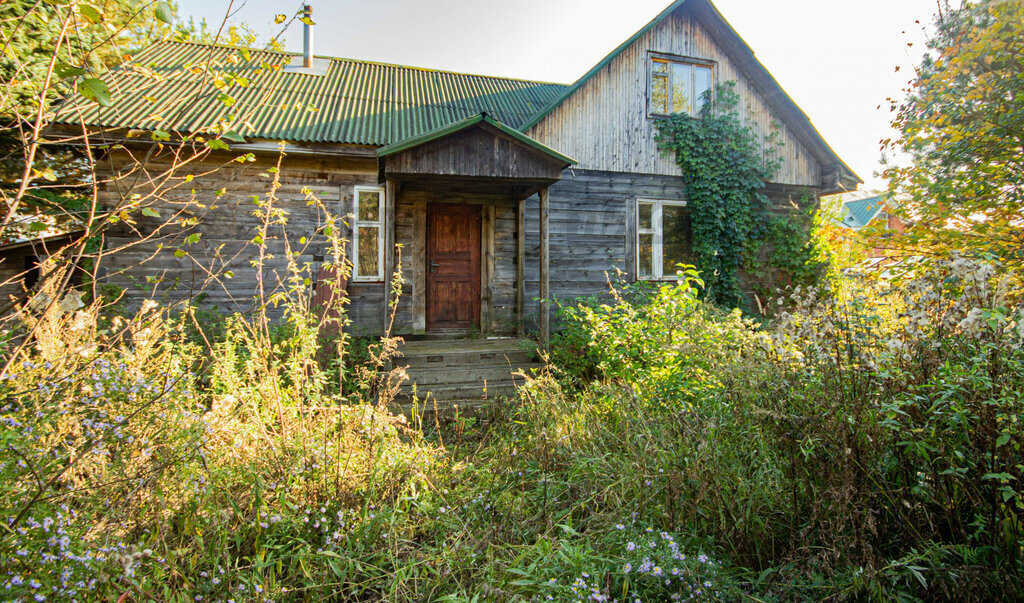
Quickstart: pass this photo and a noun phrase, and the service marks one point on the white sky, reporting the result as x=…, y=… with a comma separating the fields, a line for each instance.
x=837, y=59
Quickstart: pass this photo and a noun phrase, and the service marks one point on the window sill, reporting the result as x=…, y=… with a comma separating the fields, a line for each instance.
x=651, y=279
x=667, y=116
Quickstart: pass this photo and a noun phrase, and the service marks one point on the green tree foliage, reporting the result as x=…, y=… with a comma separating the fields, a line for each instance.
x=724, y=169
x=50, y=51
x=962, y=125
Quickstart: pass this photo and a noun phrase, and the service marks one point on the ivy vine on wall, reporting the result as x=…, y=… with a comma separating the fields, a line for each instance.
x=725, y=166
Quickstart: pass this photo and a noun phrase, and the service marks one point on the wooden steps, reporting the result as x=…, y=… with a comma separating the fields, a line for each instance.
x=463, y=370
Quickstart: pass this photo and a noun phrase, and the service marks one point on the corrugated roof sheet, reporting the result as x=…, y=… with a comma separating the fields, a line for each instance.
x=859, y=212
x=167, y=86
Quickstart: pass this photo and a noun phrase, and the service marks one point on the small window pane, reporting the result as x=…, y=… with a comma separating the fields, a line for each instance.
x=369, y=206
x=681, y=88
x=675, y=238
x=702, y=83
x=368, y=251
x=645, y=210
x=660, y=66
x=645, y=256
x=659, y=94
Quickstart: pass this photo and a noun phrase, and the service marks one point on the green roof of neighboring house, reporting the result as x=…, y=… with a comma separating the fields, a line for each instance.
x=859, y=212
x=157, y=90
x=441, y=132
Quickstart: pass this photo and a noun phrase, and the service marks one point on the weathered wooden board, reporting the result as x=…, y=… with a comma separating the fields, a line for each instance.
x=475, y=152
x=605, y=124
x=220, y=199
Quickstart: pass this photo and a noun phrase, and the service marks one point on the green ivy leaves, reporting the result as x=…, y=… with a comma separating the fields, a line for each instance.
x=724, y=170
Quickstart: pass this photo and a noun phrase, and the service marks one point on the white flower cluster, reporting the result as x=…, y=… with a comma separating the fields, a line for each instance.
x=894, y=321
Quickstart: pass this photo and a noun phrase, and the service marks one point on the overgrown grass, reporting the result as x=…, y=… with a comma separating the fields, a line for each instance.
x=858, y=446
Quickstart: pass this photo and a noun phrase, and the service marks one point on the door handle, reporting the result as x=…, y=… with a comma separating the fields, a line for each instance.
x=433, y=266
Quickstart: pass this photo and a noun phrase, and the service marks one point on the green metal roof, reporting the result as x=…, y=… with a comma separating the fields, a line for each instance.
x=354, y=102
x=441, y=132
x=859, y=212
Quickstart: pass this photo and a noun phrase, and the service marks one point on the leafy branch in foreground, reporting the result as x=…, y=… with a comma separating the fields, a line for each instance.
x=961, y=126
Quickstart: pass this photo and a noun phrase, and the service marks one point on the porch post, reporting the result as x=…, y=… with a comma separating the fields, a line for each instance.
x=520, y=264
x=388, y=240
x=545, y=292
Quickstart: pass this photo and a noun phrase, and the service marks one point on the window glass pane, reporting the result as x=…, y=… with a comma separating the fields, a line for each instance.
x=368, y=254
x=645, y=256
x=675, y=239
x=681, y=87
x=659, y=66
x=644, y=213
x=659, y=94
x=369, y=206
x=702, y=83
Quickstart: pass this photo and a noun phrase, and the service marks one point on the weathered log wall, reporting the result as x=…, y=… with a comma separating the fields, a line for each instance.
x=220, y=268
x=591, y=235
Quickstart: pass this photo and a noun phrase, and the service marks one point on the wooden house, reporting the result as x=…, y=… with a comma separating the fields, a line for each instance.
x=500, y=193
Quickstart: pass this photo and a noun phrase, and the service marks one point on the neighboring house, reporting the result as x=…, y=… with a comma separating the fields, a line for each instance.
x=877, y=212
x=499, y=191
x=858, y=213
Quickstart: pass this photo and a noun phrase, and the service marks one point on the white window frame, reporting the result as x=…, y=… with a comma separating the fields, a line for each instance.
x=378, y=224
x=658, y=230
x=691, y=62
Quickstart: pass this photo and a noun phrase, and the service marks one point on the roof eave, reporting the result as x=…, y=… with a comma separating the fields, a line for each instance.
x=601, y=65
x=777, y=96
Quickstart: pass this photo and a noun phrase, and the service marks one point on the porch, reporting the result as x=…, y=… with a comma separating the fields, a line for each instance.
x=471, y=372
x=455, y=203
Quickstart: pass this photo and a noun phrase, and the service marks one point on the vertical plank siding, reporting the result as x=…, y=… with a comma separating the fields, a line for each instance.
x=477, y=152
x=605, y=126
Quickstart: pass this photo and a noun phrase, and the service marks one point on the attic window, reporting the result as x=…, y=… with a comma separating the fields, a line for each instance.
x=678, y=85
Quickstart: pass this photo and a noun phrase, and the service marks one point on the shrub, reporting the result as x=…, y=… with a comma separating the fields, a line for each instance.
x=906, y=391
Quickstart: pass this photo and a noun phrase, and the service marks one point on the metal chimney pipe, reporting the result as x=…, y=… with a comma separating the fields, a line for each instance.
x=307, y=36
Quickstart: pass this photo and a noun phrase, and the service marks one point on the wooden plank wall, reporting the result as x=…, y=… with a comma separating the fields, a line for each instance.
x=498, y=266
x=604, y=125
x=227, y=226
x=12, y=271
x=591, y=231
x=477, y=152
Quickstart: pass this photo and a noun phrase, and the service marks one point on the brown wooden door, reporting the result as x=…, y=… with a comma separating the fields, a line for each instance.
x=453, y=267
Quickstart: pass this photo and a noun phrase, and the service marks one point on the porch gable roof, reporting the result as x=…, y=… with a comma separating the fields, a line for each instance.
x=480, y=118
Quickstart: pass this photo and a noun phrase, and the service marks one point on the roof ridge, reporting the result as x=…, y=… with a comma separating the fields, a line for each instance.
x=350, y=60
x=604, y=62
